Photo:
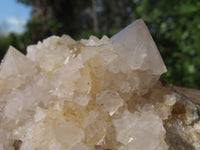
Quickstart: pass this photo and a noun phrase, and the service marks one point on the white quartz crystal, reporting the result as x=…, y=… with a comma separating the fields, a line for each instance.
x=109, y=101
x=136, y=46
x=69, y=134
x=91, y=94
x=15, y=64
x=141, y=131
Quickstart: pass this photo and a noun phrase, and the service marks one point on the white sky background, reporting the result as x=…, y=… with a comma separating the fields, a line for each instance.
x=13, y=16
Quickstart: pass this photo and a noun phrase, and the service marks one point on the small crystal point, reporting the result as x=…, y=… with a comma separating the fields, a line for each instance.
x=15, y=63
x=135, y=44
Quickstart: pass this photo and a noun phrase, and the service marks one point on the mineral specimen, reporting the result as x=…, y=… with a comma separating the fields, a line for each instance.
x=96, y=94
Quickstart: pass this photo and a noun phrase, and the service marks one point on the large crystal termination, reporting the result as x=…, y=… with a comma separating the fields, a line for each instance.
x=96, y=94
x=136, y=46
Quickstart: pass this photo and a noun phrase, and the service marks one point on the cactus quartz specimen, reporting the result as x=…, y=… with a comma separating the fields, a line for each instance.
x=96, y=94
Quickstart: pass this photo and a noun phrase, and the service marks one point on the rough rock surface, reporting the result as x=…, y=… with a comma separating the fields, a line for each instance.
x=96, y=94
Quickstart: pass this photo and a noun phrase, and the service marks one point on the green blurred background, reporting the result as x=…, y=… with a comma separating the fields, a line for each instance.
x=174, y=25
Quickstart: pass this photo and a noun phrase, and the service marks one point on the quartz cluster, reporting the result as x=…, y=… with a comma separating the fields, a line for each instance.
x=95, y=94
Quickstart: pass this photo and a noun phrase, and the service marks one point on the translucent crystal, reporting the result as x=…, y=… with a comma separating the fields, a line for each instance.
x=133, y=130
x=15, y=64
x=109, y=101
x=69, y=134
x=93, y=94
x=135, y=44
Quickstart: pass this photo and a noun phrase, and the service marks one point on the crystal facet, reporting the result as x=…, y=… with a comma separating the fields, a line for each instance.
x=15, y=64
x=135, y=44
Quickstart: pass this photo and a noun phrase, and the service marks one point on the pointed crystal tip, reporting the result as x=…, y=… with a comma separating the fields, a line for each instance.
x=15, y=63
x=135, y=44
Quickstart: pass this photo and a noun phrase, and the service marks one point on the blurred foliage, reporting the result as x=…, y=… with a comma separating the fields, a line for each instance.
x=174, y=25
